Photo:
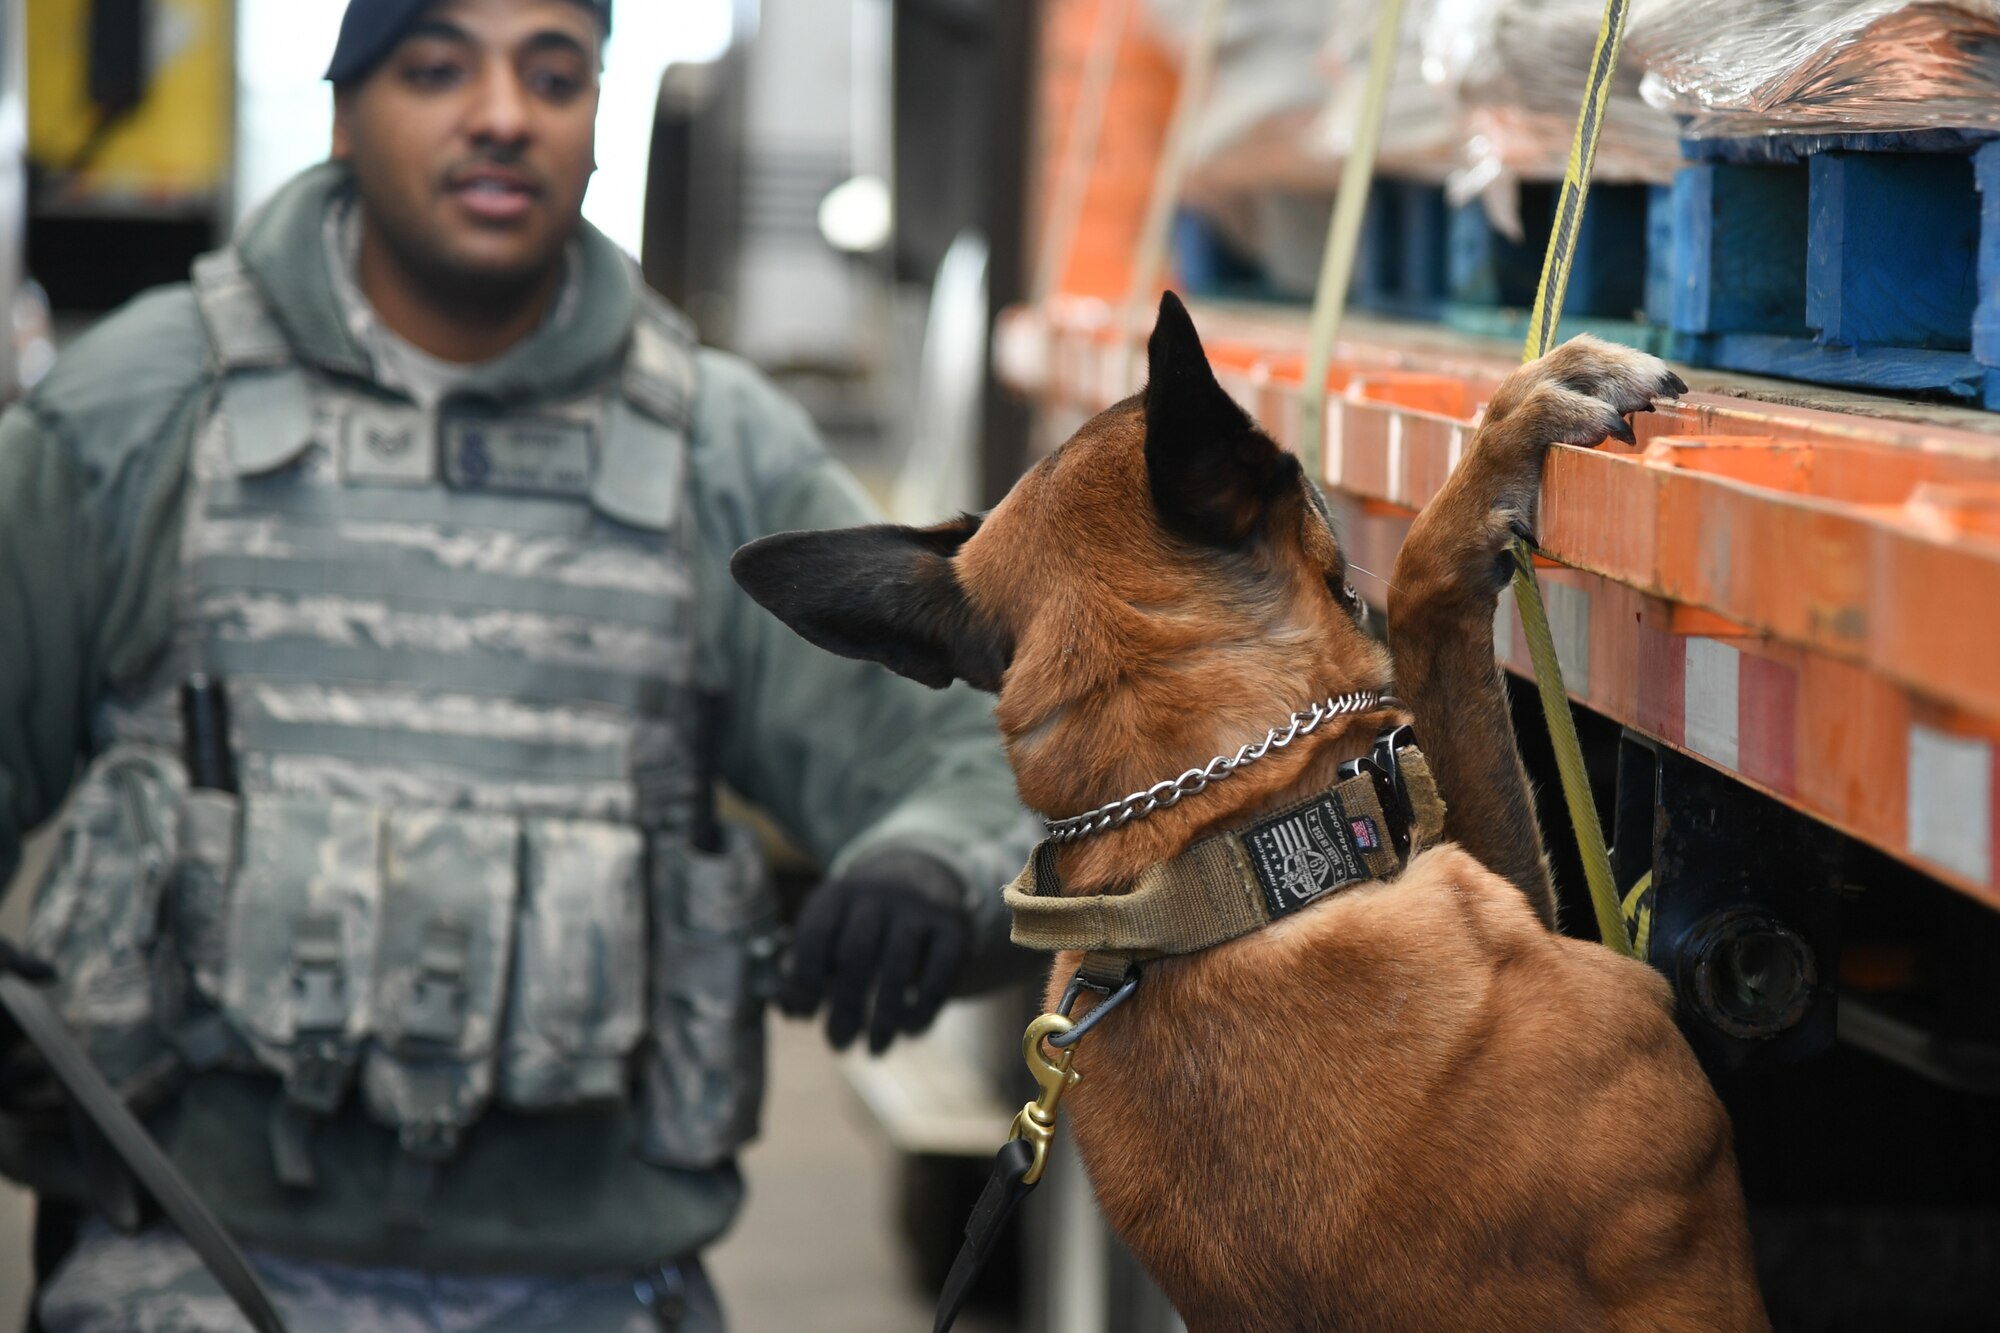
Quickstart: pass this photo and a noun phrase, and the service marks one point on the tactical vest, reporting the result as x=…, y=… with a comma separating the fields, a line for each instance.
x=456, y=870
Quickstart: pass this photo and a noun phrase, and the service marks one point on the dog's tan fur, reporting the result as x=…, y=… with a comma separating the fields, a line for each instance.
x=1411, y=1105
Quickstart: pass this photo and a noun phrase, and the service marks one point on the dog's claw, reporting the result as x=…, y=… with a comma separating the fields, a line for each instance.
x=1676, y=383
x=1623, y=432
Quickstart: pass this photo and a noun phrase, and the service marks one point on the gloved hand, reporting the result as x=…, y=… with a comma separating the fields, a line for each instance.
x=894, y=929
x=23, y=1077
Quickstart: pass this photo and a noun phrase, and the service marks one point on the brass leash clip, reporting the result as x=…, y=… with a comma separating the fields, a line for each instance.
x=1021, y=1160
x=1036, y=1124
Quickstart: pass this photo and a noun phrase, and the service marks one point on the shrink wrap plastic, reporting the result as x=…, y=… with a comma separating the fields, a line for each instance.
x=1488, y=89
x=1258, y=172
x=1286, y=94
x=1485, y=93
x=1270, y=80
x=1483, y=90
x=1423, y=136
x=1517, y=69
x=1751, y=67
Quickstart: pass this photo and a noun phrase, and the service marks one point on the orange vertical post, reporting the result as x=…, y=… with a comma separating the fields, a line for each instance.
x=1120, y=173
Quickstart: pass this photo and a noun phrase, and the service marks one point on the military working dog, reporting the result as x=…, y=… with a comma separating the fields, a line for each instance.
x=1410, y=1104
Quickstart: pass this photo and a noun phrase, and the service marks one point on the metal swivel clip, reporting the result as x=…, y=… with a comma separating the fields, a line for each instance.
x=1036, y=1124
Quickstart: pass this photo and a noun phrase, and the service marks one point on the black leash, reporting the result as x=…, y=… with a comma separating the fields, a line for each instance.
x=1005, y=1188
x=107, y=1112
x=1018, y=1166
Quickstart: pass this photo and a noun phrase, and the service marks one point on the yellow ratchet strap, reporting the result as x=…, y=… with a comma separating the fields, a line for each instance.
x=1543, y=320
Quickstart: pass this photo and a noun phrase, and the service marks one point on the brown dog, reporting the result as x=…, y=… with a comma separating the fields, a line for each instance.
x=1409, y=1105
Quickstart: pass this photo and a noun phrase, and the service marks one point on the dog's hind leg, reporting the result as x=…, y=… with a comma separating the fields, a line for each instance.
x=1447, y=585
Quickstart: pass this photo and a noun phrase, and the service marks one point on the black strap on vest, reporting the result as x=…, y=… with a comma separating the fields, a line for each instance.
x=107, y=1112
x=997, y=1202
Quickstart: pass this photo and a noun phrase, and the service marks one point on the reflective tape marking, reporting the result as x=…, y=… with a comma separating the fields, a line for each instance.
x=1951, y=801
x=1710, y=712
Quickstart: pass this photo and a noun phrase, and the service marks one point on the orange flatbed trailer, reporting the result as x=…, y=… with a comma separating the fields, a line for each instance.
x=1807, y=600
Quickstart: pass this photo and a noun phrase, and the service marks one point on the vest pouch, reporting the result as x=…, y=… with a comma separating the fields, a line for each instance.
x=576, y=1005
x=714, y=965
x=450, y=879
x=304, y=916
x=96, y=916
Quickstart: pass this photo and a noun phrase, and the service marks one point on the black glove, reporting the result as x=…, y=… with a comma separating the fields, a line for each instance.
x=23, y=1078
x=894, y=928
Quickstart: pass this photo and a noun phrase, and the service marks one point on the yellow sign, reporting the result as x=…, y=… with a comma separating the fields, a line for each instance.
x=170, y=152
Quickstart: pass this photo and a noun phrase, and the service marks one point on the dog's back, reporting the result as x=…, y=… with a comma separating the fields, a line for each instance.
x=1411, y=1106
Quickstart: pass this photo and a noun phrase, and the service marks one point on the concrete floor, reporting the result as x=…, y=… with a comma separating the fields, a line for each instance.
x=818, y=1248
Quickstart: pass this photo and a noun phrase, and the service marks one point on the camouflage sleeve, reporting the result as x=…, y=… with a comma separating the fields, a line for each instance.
x=90, y=479
x=849, y=757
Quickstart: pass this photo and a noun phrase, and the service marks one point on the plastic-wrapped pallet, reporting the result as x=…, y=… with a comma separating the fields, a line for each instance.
x=1257, y=170
x=1484, y=94
x=1280, y=115
x=1286, y=94
x=1750, y=67
x=1517, y=71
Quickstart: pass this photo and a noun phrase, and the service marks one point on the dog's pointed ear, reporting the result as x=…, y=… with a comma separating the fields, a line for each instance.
x=1212, y=472
x=880, y=594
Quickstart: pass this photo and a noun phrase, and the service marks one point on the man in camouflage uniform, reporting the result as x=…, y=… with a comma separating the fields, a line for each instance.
x=380, y=574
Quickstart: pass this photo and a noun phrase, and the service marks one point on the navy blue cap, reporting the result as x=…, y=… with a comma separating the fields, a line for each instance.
x=371, y=29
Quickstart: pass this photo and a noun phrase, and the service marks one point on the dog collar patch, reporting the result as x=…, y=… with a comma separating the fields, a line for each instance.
x=1305, y=854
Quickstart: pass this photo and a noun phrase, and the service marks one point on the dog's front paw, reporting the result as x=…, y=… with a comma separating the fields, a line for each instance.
x=1627, y=380
x=1579, y=394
